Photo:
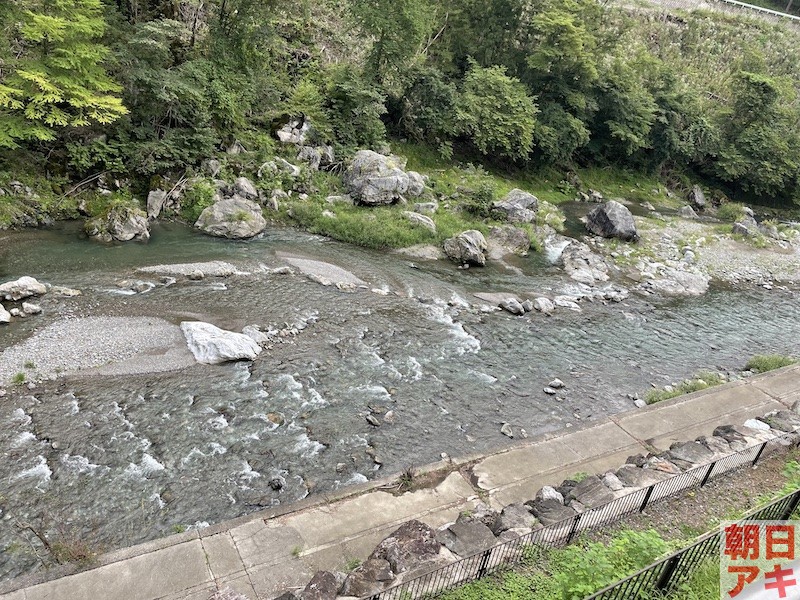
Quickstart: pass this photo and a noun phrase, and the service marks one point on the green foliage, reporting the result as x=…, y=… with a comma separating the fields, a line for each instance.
x=761, y=363
x=354, y=107
x=426, y=109
x=583, y=569
x=398, y=28
x=18, y=378
x=731, y=211
x=54, y=78
x=479, y=202
x=197, y=198
x=496, y=113
x=701, y=381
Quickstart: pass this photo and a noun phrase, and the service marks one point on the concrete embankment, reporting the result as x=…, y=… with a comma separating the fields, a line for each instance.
x=264, y=553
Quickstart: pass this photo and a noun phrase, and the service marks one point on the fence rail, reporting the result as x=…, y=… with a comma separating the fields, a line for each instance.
x=728, y=6
x=439, y=580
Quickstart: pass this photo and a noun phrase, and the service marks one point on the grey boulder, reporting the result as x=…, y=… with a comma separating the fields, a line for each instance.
x=371, y=577
x=155, y=202
x=591, y=492
x=551, y=511
x=466, y=537
x=468, y=247
x=411, y=545
x=514, y=516
x=697, y=198
x=375, y=179
x=323, y=586
x=121, y=224
x=612, y=219
x=420, y=220
x=233, y=218
x=245, y=188
x=518, y=206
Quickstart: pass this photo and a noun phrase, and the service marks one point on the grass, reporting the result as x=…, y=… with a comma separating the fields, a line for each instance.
x=761, y=363
x=731, y=211
x=352, y=564
x=29, y=364
x=701, y=381
x=296, y=551
x=18, y=378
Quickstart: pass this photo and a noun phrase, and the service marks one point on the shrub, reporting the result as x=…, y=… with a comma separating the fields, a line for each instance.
x=196, y=198
x=731, y=211
x=496, y=113
x=761, y=363
x=701, y=381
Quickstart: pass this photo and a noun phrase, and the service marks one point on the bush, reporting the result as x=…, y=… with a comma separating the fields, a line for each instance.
x=731, y=211
x=196, y=198
x=761, y=363
x=496, y=113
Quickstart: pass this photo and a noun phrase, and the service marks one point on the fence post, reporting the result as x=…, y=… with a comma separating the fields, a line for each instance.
x=646, y=498
x=574, y=529
x=791, y=507
x=758, y=454
x=665, y=578
x=484, y=563
x=708, y=474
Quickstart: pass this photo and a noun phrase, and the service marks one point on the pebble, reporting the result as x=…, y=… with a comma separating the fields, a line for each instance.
x=639, y=403
x=506, y=430
x=556, y=384
x=549, y=391
x=373, y=420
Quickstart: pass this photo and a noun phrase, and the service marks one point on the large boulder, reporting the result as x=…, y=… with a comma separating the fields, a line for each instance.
x=234, y=218
x=514, y=516
x=591, y=492
x=23, y=287
x=411, y=545
x=376, y=179
x=420, y=220
x=550, y=511
x=508, y=239
x=675, y=282
x=371, y=577
x=211, y=345
x=155, y=202
x=612, y=219
x=467, y=536
x=697, y=198
x=467, y=247
x=245, y=188
x=583, y=265
x=120, y=224
x=323, y=586
x=518, y=206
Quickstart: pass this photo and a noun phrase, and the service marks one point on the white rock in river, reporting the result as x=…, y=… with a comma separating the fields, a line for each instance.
x=22, y=288
x=5, y=316
x=212, y=345
x=31, y=309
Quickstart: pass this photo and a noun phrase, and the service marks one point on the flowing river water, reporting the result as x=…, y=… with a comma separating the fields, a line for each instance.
x=114, y=460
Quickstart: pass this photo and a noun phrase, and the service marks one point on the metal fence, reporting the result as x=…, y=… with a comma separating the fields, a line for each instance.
x=439, y=580
x=666, y=574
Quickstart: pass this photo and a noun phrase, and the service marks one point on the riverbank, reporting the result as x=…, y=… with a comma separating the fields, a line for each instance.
x=263, y=554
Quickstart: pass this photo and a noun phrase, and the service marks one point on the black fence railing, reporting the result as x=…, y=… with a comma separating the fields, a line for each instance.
x=439, y=580
x=664, y=575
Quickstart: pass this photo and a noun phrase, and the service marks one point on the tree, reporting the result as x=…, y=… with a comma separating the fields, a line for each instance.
x=398, y=27
x=56, y=77
x=760, y=146
x=496, y=113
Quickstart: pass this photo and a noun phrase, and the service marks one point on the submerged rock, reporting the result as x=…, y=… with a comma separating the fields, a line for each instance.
x=211, y=345
x=612, y=219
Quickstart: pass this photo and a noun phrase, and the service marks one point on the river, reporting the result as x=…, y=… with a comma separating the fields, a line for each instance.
x=117, y=460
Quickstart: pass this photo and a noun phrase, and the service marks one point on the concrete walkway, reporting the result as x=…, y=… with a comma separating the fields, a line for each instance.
x=264, y=553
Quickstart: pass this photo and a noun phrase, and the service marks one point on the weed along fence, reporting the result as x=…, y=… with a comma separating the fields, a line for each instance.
x=730, y=6
x=676, y=568
x=559, y=534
